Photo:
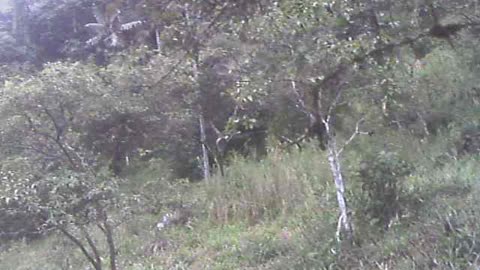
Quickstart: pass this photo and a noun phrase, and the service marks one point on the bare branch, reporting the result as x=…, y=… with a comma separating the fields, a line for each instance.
x=296, y=141
x=292, y=142
x=56, y=140
x=355, y=133
x=333, y=105
x=59, y=129
x=217, y=131
x=300, y=98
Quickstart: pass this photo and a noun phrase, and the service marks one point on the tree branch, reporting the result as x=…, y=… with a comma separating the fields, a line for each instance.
x=92, y=245
x=80, y=245
x=56, y=140
x=110, y=242
x=291, y=142
x=355, y=133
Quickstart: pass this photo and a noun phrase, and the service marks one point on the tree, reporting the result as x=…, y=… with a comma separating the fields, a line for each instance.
x=191, y=25
x=51, y=175
x=20, y=22
x=326, y=52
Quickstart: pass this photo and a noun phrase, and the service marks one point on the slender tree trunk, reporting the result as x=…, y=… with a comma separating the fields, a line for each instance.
x=344, y=223
x=93, y=247
x=203, y=138
x=195, y=53
x=220, y=164
x=158, y=41
x=201, y=120
x=111, y=244
x=96, y=263
x=20, y=18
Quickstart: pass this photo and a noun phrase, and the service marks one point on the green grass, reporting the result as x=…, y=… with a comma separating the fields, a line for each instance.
x=280, y=213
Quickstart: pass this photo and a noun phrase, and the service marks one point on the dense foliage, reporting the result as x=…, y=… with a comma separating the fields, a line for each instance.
x=192, y=134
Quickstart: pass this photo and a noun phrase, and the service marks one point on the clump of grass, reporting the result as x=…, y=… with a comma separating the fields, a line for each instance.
x=52, y=253
x=277, y=186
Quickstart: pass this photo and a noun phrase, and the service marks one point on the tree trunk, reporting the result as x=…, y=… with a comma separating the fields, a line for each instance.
x=111, y=244
x=96, y=262
x=20, y=17
x=203, y=138
x=194, y=51
x=158, y=41
x=93, y=247
x=344, y=224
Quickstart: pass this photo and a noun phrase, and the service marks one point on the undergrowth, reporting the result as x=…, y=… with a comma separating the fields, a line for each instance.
x=280, y=213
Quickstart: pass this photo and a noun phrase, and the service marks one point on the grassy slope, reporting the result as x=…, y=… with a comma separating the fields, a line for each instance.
x=280, y=214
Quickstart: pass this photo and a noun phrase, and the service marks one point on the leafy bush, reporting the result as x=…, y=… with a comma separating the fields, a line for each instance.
x=382, y=179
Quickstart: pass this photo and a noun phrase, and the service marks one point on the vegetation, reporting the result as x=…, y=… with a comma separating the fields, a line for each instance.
x=191, y=134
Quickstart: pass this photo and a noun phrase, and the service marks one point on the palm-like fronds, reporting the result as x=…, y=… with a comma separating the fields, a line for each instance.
x=96, y=28
x=108, y=28
x=130, y=25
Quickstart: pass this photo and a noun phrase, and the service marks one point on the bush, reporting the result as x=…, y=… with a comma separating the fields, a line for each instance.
x=382, y=179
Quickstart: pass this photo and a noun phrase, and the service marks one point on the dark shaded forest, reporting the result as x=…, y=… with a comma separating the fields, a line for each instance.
x=239, y=134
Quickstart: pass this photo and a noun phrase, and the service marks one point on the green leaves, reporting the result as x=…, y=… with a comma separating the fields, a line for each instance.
x=382, y=176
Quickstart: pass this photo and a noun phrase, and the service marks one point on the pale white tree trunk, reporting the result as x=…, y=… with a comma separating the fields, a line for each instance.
x=333, y=156
x=344, y=224
x=203, y=138
x=158, y=41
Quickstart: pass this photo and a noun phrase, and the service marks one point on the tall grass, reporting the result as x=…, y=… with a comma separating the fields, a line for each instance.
x=279, y=185
x=290, y=198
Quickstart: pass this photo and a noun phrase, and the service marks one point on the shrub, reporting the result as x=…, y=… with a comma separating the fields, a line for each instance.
x=382, y=181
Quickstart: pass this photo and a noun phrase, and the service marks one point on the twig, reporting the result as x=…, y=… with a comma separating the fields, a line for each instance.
x=355, y=133
x=292, y=142
x=296, y=141
x=300, y=98
x=334, y=104
x=217, y=131
x=56, y=140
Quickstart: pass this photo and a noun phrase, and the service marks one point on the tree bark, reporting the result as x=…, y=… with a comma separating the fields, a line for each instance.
x=201, y=120
x=158, y=41
x=203, y=138
x=344, y=223
x=193, y=50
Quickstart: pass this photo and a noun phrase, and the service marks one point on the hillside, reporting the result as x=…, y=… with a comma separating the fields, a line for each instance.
x=293, y=134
